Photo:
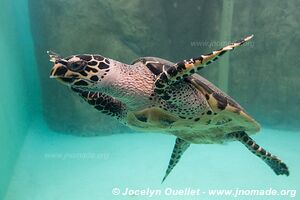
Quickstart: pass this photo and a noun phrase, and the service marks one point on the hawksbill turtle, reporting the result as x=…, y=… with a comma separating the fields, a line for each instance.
x=153, y=94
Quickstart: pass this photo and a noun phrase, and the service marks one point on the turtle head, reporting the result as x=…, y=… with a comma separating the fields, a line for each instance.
x=95, y=73
x=80, y=71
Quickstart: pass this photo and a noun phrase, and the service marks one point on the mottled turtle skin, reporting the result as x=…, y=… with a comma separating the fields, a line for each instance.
x=156, y=95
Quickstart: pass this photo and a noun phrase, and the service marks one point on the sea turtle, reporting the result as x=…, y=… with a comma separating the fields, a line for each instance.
x=153, y=94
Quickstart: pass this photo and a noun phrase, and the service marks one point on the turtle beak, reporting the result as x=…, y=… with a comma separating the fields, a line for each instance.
x=53, y=56
x=60, y=69
x=60, y=65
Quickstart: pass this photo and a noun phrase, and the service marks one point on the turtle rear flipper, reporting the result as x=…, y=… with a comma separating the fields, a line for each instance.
x=279, y=167
x=186, y=68
x=179, y=148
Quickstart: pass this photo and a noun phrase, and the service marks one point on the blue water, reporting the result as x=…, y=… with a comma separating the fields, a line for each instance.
x=55, y=166
x=40, y=161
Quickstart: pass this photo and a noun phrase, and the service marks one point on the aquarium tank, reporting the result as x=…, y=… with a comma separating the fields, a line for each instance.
x=54, y=145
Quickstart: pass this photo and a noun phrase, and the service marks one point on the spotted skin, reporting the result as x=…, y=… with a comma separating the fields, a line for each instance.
x=179, y=148
x=279, y=167
x=156, y=95
x=186, y=68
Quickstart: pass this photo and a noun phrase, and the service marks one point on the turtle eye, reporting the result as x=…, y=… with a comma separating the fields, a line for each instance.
x=77, y=66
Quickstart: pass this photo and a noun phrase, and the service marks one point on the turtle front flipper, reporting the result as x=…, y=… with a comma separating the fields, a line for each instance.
x=279, y=167
x=188, y=67
x=179, y=148
x=104, y=103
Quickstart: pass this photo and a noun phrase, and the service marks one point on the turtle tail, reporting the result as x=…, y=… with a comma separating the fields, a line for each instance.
x=279, y=167
x=179, y=148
